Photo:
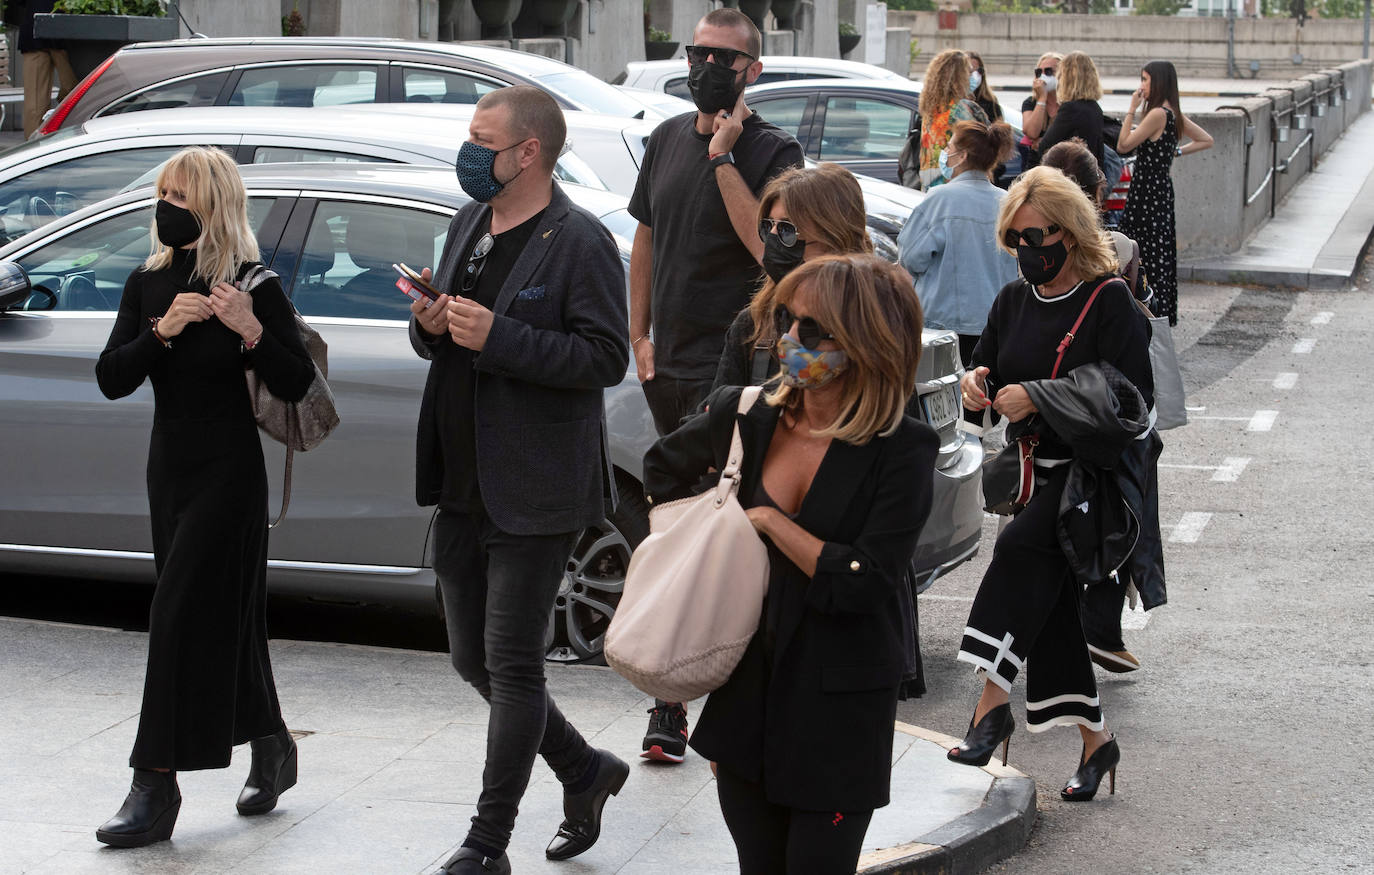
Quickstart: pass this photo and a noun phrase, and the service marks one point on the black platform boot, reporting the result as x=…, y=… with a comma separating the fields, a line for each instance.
x=148, y=814
x=273, y=772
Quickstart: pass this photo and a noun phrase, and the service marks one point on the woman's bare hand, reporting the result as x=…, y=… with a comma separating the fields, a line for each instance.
x=1013, y=402
x=186, y=307
x=973, y=386
x=235, y=309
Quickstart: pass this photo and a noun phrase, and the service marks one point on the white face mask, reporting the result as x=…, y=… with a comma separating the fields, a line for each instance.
x=1050, y=82
x=974, y=80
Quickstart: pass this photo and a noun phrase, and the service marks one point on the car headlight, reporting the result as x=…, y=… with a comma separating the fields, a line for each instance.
x=883, y=246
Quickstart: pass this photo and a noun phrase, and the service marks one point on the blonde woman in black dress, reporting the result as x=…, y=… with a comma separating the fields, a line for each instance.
x=184, y=326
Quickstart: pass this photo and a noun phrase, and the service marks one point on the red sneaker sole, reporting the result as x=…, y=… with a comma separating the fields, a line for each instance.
x=658, y=754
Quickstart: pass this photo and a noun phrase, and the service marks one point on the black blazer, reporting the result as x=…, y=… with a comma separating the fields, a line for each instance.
x=560, y=336
x=1076, y=118
x=812, y=717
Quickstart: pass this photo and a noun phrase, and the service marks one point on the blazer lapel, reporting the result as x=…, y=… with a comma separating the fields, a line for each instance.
x=535, y=250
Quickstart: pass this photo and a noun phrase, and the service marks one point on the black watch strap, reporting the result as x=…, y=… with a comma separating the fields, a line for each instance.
x=726, y=158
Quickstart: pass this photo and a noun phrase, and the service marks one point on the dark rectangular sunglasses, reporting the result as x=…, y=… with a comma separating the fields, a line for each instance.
x=477, y=259
x=809, y=331
x=725, y=57
x=1041, y=71
x=787, y=232
x=1032, y=236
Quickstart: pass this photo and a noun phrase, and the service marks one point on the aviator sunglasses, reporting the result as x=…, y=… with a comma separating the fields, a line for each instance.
x=476, y=261
x=1032, y=236
x=809, y=331
x=725, y=57
x=786, y=231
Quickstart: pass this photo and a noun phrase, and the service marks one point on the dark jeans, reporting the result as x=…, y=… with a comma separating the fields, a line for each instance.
x=671, y=400
x=498, y=589
x=776, y=840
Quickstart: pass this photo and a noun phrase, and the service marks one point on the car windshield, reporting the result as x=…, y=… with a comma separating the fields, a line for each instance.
x=591, y=94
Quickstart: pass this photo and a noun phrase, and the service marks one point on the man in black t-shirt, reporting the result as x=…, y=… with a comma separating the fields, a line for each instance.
x=511, y=446
x=695, y=262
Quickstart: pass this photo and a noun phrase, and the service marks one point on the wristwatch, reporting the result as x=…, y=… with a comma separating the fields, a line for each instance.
x=1178, y=150
x=722, y=158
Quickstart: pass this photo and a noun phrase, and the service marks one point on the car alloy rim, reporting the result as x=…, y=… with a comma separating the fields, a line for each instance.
x=588, y=594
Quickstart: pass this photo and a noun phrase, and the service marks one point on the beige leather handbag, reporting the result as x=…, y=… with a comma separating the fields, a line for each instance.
x=694, y=590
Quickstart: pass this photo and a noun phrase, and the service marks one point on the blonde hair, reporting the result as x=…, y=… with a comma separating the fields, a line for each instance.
x=871, y=308
x=1078, y=78
x=215, y=196
x=945, y=83
x=1062, y=203
x=826, y=204
x=1058, y=58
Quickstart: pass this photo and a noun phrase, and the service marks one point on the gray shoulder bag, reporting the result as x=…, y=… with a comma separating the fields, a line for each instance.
x=300, y=425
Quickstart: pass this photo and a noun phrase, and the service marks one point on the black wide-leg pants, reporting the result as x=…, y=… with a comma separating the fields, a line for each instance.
x=1025, y=617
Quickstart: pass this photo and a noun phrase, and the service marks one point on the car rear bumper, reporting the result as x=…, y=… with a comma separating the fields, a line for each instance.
x=955, y=524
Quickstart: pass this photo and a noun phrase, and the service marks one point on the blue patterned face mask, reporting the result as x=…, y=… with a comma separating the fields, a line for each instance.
x=475, y=171
x=804, y=368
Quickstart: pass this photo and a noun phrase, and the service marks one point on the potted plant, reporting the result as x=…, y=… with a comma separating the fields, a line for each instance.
x=785, y=11
x=658, y=45
x=849, y=37
x=756, y=10
x=496, y=17
x=96, y=29
x=554, y=14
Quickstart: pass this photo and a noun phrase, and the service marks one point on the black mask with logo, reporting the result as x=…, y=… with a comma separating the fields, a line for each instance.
x=714, y=87
x=1041, y=264
x=780, y=260
x=176, y=226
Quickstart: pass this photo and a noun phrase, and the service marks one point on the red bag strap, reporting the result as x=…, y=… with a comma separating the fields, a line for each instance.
x=1068, y=338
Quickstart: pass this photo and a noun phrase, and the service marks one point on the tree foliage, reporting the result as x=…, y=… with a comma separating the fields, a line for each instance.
x=1159, y=7
x=153, y=8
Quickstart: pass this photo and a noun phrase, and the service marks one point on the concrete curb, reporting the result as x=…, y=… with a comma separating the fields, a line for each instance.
x=996, y=830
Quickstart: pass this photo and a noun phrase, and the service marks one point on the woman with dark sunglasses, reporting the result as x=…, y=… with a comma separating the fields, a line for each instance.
x=804, y=213
x=837, y=481
x=1068, y=304
x=1038, y=110
x=950, y=243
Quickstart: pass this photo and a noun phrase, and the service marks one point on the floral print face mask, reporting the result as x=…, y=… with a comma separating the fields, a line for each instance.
x=804, y=368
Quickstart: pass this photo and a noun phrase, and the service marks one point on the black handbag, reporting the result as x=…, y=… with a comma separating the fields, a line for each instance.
x=1009, y=476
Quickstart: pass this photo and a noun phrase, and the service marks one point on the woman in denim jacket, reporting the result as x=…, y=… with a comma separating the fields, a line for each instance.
x=950, y=245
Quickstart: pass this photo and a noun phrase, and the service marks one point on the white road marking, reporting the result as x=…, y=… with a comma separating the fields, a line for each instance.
x=931, y=597
x=1190, y=527
x=1187, y=467
x=1304, y=345
x=1231, y=469
x=1286, y=380
x=1195, y=409
x=1263, y=420
x=1322, y=318
x=1134, y=620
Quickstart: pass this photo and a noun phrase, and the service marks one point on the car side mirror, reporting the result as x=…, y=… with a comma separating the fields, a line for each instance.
x=15, y=287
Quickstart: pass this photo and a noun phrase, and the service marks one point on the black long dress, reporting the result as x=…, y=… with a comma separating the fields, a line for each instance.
x=209, y=680
x=1149, y=217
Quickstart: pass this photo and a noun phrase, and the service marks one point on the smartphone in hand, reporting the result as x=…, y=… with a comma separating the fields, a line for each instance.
x=414, y=286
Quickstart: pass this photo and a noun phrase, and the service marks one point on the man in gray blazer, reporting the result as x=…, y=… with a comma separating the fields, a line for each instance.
x=512, y=448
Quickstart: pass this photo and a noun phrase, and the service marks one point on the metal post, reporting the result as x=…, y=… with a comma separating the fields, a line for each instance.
x=1231, y=40
x=1366, y=29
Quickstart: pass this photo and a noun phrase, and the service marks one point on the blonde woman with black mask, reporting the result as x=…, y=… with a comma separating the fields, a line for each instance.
x=184, y=326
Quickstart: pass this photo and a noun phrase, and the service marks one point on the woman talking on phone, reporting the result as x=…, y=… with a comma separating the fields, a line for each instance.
x=183, y=325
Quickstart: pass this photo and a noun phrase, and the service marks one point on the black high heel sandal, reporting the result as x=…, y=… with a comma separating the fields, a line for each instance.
x=981, y=740
x=1082, y=787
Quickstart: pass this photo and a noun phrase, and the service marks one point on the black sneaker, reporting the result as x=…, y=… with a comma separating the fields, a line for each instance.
x=666, y=740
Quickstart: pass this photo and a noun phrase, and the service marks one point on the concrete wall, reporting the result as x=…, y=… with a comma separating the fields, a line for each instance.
x=406, y=19
x=242, y=18
x=1120, y=45
x=1211, y=188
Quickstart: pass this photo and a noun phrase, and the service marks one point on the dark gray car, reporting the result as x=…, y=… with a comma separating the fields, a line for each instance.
x=75, y=500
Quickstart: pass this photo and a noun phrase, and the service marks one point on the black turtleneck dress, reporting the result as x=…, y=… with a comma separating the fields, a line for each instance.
x=209, y=679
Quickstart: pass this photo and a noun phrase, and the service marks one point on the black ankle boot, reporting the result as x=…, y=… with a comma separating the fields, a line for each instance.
x=273, y=772
x=581, y=825
x=981, y=740
x=148, y=814
x=1082, y=787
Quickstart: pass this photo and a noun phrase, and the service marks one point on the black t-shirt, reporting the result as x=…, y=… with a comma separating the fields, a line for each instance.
x=1029, y=156
x=454, y=407
x=702, y=274
x=1022, y=337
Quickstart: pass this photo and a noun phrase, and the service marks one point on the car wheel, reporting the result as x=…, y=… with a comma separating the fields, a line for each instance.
x=595, y=579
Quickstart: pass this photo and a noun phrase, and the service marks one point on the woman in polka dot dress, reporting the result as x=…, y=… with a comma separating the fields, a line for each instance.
x=1149, y=218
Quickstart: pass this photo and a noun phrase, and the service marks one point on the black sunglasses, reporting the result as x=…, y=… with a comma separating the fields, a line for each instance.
x=809, y=331
x=786, y=231
x=1033, y=236
x=476, y=261
x=1041, y=71
x=725, y=57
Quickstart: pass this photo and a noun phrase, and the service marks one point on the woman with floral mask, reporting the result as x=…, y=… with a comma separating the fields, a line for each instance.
x=1068, y=303
x=804, y=213
x=837, y=480
x=184, y=326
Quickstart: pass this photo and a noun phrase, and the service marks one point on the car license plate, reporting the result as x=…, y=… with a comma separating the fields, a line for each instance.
x=942, y=405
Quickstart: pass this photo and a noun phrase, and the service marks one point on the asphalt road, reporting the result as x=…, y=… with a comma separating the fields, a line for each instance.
x=1243, y=736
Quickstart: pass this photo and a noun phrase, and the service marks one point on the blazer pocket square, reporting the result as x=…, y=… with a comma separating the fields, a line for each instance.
x=535, y=293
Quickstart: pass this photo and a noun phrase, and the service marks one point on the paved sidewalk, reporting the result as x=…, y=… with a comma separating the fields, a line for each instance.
x=1319, y=230
x=391, y=749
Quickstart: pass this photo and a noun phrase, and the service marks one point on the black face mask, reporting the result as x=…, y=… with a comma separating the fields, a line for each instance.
x=1041, y=264
x=713, y=87
x=779, y=260
x=176, y=226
